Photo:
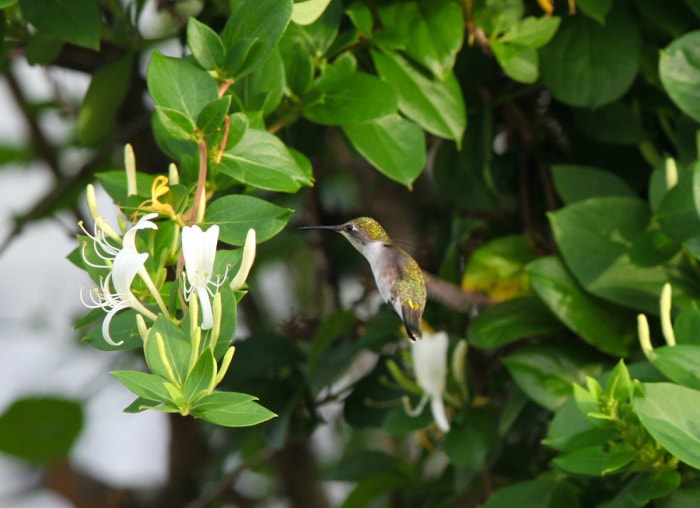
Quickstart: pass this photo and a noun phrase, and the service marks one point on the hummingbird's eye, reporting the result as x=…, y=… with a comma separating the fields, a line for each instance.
x=349, y=228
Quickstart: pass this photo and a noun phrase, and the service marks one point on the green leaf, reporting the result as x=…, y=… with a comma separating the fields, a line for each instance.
x=102, y=100
x=213, y=114
x=308, y=11
x=262, y=160
x=437, y=106
x=670, y=412
x=498, y=268
x=602, y=325
x=595, y=9
x=253, y=31
x=350, y=98
x=148, y=386
x=686, y=325
x=678, y=212
x=77, y=22
x=654, y=486
x=361, y=16
x=40, y=429
x=680, y=364
x=613, y=123
x=177, y=125
x=235, y=214
x=178, y=84
x=201, y=379
x=594, y=237
x=546, y=372
x=205, y=44
x=231, y=409
x=399, y=423
x=263, y=89
x=506, y=322
x=518, y=61
x=298, y=65
x=170, y=356
x=469, y=442
x=539, y=493
x=595, y=460
x=571, y=430
x=653, y=248
x=532, y=32
x=393, y=145
x=578, y=183
x=431, y=31
x=377, y=486
x=114, y=183
x=578, y=67
x=122, y=328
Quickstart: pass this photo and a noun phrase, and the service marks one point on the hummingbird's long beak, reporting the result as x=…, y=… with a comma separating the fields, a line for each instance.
x=330, y=228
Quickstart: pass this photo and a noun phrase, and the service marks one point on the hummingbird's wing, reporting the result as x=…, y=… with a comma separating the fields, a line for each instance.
x=411, y=294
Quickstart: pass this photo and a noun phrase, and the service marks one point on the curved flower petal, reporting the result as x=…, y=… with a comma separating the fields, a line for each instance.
x=199, y=252
x=144, y=222
x=430, y=366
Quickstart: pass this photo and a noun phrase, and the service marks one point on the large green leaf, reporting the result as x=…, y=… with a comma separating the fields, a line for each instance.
x=252, y=32
x=670, y=413
x=538, y=493
x=679, y=210
x=532, y=32
x=77, y=22
x=578, y=65
x=508, y=321
x=350, y=98
x=518, y=61
x=262, y=160
x=262, y=90
x=235, y=214
x=231, y=409
x=680, y=364
x=102, y=100
x=546, y=372
x=576, y=183
x=149, y=386
x=205, y=44
x=594, y=237
x=679, y=69
x=40, y=429
x=394, y=145
x=437, y=106
x=178, y=84
x=469, y=442
x=613, y=123
x=607, y=327
x=431, y=31
x=596, y=9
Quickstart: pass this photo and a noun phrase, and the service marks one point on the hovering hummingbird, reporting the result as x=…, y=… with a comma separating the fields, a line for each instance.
x=399, y=278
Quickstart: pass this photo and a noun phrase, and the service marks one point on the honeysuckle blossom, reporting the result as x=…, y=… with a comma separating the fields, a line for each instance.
x=247, y=261
x=199, y=252
x=124, y=263
x=430, y=366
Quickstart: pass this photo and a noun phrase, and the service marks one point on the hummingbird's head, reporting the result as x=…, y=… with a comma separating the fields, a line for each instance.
x=360, y=232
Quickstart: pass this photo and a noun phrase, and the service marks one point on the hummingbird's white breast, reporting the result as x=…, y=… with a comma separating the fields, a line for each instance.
x=381, y=260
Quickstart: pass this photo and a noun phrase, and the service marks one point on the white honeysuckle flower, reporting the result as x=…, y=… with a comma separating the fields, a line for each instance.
x=246, y=262
x=430, y=365
x=199, y=251
x=124, y=263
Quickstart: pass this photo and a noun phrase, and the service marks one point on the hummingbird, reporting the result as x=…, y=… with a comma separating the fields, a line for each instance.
x=399, y=278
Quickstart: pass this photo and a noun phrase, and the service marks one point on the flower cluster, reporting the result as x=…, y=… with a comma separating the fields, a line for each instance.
x=159, y=258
